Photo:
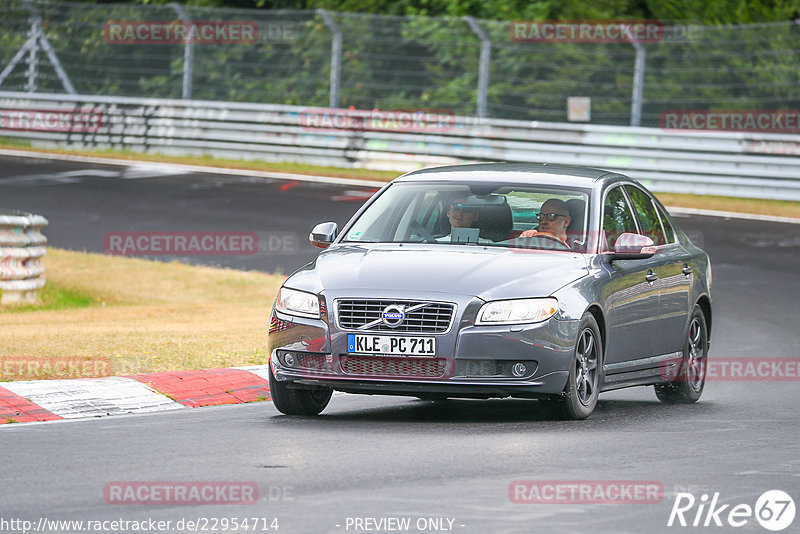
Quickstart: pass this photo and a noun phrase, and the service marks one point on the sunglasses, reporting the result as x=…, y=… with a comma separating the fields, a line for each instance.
x=458, y=206
x=549, y=216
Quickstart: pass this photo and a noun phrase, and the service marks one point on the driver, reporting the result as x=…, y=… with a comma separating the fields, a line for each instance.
x=461, y=215
x=553, y=221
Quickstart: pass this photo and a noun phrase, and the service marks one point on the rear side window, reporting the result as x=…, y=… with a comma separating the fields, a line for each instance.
x=669, y=233
x=617, y=217
x=646, y=212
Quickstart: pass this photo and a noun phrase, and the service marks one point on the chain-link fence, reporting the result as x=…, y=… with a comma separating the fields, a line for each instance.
x=470, y=67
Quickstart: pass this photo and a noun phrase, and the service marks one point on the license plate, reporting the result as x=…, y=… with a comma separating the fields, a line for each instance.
x=398, y=345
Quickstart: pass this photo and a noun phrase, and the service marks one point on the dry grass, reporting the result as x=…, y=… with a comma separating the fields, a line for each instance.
x=778, y=208
x=145, y=316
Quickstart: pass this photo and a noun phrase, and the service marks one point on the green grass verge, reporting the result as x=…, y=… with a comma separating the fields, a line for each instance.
x=52, y=297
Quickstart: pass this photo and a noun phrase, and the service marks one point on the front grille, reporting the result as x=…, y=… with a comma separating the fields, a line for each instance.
x=393, y=367
x=432, y=318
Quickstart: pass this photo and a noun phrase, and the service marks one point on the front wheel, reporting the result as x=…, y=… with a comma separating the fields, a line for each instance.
x=291, y=401
x=688, y=384
x=579, y=398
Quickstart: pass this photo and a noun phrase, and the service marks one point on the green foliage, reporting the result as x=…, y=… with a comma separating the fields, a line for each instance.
x=726, y=11
x=700, y=11
x=400, y=57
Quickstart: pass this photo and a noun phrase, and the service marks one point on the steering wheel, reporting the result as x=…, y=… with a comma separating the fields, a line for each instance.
x=551, y=238
x=426, y=235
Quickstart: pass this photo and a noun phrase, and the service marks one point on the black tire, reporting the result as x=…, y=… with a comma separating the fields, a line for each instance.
x=579, y=398
x=291, y=401
x=690, y=378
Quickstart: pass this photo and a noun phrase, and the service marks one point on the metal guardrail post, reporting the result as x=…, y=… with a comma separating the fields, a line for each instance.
x=638, y=83
x=188, y=53
x=21, y=249
x=483, y=68
x=336, y=57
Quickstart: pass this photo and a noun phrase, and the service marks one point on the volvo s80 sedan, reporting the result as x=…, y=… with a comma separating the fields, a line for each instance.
x=496, y=280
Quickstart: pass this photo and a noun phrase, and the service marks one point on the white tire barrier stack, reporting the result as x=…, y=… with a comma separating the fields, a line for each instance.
x=21, y=250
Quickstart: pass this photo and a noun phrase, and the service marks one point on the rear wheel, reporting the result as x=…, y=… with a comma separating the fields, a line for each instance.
x=579, y=398
x=690, y=379
x=291, y=401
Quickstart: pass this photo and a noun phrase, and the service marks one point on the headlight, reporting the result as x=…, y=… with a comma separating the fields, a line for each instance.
x=296, y=302
x=517, y=311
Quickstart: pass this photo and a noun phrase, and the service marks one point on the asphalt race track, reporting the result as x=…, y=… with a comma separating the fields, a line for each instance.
x=386, y=457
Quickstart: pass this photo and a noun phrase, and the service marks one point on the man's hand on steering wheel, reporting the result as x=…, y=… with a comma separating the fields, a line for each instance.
x=536, y=233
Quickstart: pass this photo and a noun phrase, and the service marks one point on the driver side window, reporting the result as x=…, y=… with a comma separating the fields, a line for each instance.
x=617, y=217
x=423, y=218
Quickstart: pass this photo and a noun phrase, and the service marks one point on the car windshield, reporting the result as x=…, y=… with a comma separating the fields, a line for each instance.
x=475, y=213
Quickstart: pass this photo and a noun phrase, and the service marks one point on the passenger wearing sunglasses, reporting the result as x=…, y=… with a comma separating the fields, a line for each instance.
x=553, y=221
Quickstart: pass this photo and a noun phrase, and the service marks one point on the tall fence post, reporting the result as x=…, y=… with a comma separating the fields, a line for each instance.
x=638, y=83
x=37, y=38
x=188, y=54
x=336, y=57
x=483, y=66
x=32, y=82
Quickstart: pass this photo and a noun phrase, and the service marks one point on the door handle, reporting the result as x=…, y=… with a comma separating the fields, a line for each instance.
x=651, y=276
x=687, y=269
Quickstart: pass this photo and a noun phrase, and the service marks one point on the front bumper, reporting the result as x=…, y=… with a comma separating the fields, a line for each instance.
x=470, y=361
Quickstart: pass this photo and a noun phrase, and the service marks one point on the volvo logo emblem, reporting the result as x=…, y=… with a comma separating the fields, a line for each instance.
x=393, y=316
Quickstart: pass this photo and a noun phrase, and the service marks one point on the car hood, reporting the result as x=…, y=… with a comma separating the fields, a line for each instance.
x=486, y=272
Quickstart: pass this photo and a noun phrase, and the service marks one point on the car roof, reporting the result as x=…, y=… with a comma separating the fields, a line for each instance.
x=534, y=173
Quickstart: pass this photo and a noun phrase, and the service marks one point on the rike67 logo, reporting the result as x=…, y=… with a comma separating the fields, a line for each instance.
x=774, y=510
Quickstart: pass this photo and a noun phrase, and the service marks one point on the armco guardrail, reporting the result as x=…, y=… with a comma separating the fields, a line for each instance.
x=21, y=249
x=757, y=165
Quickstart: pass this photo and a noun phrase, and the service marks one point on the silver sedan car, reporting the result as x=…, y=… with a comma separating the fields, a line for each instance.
x=496, y=280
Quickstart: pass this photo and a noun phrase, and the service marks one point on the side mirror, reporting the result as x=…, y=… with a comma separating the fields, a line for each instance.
x=323, y=234
x=630, y=246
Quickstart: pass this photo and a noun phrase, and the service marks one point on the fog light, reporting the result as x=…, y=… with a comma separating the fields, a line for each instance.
x=288, y=359
x=519, y=370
